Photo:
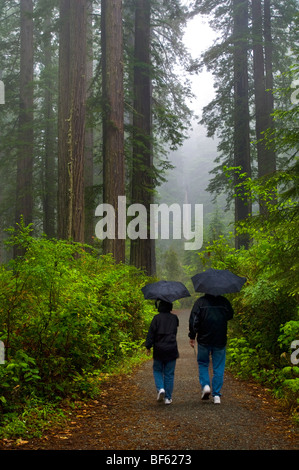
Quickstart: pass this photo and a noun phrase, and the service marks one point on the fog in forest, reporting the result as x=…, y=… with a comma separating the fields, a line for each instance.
x=192, y=163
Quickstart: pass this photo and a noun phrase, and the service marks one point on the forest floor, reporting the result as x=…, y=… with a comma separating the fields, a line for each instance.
x=127, y=415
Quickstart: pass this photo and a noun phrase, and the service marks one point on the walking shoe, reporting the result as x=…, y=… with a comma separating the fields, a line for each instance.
x=206, y=392
x=217, y=399
x=168, y=401
x=161, y=394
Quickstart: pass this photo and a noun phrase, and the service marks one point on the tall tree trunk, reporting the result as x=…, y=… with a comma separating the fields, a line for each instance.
x=50, y=184
x=263, y=101
x=63, y=116
x=71, y=120
x=89, y=155
x=241, y=111
x=142, y=252
x=113, y=116
x=271, y=155
x=259, y=81
x=24, y=194
x=268, y=59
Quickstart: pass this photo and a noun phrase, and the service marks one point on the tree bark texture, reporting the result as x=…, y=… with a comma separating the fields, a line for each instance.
x=241, y=111
x=49, y=175
x=63, y=123
x=142, y=250
x=270, y=165
x=268, y=59
x=89, y=140
x=71, y=131
x=263, y=102
x=24, y=194
x=113, y=116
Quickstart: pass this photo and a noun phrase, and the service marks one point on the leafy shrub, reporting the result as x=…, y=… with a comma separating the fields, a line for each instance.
x=266, y=309
x=64, y=313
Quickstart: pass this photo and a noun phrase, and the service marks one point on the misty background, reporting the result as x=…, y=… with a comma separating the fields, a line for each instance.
x=187, y=182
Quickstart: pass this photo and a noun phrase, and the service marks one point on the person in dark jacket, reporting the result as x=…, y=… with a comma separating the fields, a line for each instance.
x=208, y=321
x=162, y=337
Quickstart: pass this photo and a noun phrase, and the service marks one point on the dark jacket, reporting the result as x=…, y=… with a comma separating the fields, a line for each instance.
x=162, y=336
x=211, y=325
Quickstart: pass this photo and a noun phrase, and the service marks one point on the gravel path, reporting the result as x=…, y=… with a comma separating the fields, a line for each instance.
x=128, y=417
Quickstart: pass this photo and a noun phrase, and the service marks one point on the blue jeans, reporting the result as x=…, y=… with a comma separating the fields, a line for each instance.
x=164, y=376
x=218, y=362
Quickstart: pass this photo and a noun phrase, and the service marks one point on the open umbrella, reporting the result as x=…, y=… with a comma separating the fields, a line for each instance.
x=217, y=282
x=165, y=290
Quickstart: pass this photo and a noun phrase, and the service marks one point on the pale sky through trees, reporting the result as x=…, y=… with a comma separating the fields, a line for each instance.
x=198, y=37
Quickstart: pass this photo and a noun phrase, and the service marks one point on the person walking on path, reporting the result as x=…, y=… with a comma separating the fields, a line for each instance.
x=162, y=336
x=208, y=321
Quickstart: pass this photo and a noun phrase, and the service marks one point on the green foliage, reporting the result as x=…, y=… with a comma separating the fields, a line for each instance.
x=242, y=358
x=218, y=115
x=35, y=417
x=266, y=323
x=65, y=313
x=266, y=318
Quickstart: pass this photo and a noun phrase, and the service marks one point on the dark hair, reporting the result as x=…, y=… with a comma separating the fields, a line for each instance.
x=164, y=306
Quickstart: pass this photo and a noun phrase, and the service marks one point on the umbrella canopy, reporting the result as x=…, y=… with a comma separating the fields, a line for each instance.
x=217, y=282
x=165, y=290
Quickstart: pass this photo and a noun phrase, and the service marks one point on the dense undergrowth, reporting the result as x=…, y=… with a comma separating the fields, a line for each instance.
x=264, y=335
x=67, y=318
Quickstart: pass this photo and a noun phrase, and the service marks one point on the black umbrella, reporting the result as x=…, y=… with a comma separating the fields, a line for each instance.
x=165, y=290
x=217, y=282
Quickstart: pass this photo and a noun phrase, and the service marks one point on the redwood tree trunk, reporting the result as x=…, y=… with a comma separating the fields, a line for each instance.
x=262, y=69
x=113, y=116
x=72, y=102
x=271, y=155
x=63, y=116
x=268, y=59
x=24, y=194
x=241, y=111
x=142, y=253
x=50, y=185
x=261, y=120
x=89, y=141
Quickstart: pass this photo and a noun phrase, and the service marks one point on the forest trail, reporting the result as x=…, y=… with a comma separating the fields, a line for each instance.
x=128, y=417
